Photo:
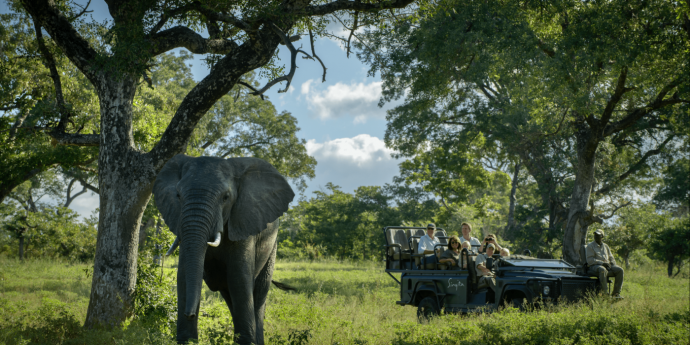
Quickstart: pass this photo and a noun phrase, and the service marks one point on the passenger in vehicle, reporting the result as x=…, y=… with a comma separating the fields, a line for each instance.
x=427, y=244
x=466, y=237
x=490, y=238
x=602, y=264
x=451, y=256
x=505, y=252
x=486, y=276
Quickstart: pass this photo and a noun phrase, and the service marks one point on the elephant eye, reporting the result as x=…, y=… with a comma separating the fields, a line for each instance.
x=226, y=197
x=178, y=195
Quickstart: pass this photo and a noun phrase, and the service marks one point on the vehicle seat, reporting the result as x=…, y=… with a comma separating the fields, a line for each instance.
x=395, y=254
x=472, y=269
x=414, y=243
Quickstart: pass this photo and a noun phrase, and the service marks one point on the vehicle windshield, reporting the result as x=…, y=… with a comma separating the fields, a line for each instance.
x=538, y=263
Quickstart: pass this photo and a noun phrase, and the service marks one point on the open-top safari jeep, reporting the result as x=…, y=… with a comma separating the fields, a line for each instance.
x=519, y=279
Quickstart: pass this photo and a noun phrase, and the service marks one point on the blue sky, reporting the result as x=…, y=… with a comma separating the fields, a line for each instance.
x=340, y=118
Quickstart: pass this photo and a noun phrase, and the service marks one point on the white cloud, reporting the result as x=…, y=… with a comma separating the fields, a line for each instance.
x=352, y=162
x=357, y=100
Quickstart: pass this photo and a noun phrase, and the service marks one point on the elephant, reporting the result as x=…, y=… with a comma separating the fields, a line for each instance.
x=224, y=213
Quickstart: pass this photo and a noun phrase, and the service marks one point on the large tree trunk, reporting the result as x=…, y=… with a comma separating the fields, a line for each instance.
x=578, y=218
x=21, y=247
x=125, y=182
x=511, y=209
x=671, y=259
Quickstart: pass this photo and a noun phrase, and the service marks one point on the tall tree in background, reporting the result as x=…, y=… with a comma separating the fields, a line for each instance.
x=569, y=89
x=243, y=36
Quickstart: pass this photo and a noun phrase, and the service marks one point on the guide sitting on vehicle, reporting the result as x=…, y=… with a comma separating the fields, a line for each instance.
x=466, y=237
x=426, y=245
x=602, y=264
x=486, y=276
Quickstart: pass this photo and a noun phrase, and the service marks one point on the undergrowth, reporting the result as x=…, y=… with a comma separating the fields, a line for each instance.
x=45, y=302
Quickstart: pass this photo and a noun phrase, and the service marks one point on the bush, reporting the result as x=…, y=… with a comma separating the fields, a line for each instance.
x=52, y=323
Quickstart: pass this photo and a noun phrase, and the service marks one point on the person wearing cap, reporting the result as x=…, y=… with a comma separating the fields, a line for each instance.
x=466, y=237
x=485, y=275
x=427, y=244
x=602, y=264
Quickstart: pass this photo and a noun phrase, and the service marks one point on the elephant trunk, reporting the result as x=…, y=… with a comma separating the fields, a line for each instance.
x=199, y=223
x=192, y=256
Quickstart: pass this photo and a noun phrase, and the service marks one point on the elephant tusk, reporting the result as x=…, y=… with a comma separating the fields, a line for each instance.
x=215, y=243
x=173, y=247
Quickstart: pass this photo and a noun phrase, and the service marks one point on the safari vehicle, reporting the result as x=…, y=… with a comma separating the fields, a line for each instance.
x=519, y=279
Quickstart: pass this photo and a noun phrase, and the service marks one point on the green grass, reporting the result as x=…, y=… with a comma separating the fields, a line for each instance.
x=347, y=303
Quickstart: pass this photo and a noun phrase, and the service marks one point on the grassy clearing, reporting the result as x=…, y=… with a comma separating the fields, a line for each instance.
x=347, y=303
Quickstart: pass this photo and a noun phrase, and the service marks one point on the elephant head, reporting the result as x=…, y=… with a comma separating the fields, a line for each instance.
x=204, y=198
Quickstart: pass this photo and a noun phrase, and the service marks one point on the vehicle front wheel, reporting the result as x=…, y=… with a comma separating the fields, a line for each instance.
x=427, y=308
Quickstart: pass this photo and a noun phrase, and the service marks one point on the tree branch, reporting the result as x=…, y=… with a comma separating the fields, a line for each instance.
x=221, y=17
x=83, y=11
x=616, y=97
x=352, y=31
x=167, y=15
x=293, y=64
x=89, y=186
x=9, y=107
x=75, y=139
x=246, y=146
x=599, y=218
x=251, y=88
x=313, y=53
x=635, y=167
x=49, y=61
x=636, y=114
x=184, y=37
x=75, y=47
x=340, y=5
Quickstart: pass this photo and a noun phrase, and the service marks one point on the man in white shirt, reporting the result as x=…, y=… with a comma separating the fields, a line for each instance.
x=426, y=246
x=466, y=237
x=602, y=264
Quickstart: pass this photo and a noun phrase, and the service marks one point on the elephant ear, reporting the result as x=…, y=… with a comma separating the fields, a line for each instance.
x=263, y=195
x=165, y=191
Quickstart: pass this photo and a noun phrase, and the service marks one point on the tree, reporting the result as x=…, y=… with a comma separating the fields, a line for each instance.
x=671, y=244
x=569, y=89
x=30, y=106
x=634, y=229
x=243, y=37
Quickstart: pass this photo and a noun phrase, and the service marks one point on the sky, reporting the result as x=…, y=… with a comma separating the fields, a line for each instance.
x=340, y=118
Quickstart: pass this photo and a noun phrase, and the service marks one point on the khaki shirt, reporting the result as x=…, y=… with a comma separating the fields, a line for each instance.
x=481, y=260
x=599, y=254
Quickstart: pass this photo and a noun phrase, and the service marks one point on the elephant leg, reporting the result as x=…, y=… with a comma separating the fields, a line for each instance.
x=261, y=287
x=240, y=287
x=228, y=302
x=186, y=327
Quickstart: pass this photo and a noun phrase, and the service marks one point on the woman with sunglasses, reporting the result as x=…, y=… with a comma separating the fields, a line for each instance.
x=451, y=257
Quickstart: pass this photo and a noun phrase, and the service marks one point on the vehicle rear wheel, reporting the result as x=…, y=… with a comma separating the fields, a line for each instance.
x=427, y=308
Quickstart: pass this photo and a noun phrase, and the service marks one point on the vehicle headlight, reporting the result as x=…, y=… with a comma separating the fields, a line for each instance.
x=547, y=289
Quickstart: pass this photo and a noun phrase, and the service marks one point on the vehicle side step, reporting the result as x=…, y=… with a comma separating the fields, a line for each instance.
x=400, y=303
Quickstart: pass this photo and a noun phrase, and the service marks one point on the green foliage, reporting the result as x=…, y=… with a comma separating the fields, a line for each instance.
x=155, y=298
x=52, y=323
x=54, y=232
x=671, y=244
x=348, y=225
x=634, y=229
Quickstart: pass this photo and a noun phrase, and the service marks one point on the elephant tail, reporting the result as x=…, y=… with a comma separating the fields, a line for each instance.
x=282, y=286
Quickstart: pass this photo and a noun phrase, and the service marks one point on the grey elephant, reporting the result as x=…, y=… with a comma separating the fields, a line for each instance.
x=224, y=213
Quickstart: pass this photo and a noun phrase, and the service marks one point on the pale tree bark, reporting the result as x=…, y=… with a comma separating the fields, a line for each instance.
x=513, y=200
x=576, y=227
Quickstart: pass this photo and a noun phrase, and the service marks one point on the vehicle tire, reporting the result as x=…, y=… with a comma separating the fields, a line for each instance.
x=519, y=303
x=427, y=308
